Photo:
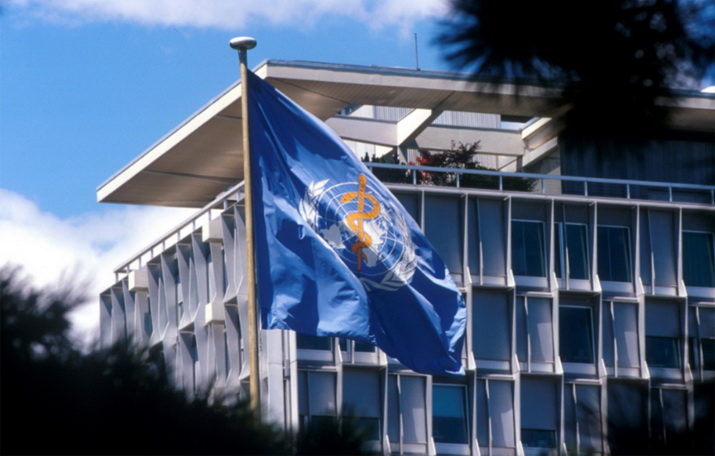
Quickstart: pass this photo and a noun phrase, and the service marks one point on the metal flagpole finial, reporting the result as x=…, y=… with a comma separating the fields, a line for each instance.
x=241, y=43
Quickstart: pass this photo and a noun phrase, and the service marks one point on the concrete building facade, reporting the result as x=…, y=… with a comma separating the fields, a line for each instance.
x=591, y=299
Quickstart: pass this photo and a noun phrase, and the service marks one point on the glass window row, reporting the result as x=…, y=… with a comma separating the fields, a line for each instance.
x=544, y=414
x=489, y=223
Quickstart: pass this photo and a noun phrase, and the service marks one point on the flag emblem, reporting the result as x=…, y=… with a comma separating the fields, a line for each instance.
x=369, y=234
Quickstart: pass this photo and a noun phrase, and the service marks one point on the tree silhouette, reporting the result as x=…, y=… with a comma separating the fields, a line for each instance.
x=612, y=59
x=58, y=400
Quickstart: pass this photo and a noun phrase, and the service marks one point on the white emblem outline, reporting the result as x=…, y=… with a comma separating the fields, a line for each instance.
x=404, y=267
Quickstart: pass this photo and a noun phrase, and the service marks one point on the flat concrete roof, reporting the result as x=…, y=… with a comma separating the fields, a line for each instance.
x=203, y=156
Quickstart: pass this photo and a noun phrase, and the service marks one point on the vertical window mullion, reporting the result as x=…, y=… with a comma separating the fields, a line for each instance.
x=400, y=407
x=698, y=343
x=490, y=431
x=565, y=246
x=528, y=334
x=576, y=421
x=615, y=339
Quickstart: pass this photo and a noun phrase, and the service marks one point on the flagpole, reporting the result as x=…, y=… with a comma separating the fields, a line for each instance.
x=243, y=44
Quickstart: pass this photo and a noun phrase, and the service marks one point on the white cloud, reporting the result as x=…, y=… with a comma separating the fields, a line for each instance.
x=233, y=14
x=84, y=249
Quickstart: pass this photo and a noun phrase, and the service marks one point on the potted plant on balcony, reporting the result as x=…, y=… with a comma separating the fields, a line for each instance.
x=462, y=156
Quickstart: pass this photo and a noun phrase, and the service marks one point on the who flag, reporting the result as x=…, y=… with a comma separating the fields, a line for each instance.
x=336, y=253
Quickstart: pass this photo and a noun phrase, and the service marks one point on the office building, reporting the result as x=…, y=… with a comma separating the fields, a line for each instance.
x=587, y=266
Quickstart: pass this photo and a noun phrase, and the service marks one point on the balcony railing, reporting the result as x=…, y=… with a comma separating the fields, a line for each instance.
x=222, y=202
x=460, y=178
x=544, y=183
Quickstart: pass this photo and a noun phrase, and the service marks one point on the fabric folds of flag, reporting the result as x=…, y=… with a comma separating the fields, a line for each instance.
x=336, y=253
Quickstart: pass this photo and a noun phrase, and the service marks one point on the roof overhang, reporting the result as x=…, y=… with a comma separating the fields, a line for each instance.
x=203, y=156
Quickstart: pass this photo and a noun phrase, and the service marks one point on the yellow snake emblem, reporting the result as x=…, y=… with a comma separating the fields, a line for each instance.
x=355, y=220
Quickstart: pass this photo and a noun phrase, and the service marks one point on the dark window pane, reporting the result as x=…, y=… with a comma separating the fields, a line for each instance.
x=393, y=409
x=575, y=248
x=614, y=253
x=364, y=347
x=303, y=423
x=662, y=351
x=307, y=342
x=443, y=229
x=491, y=240
x=576, y=335
x=577, y=245
x=538, y=438
x=527, y=249
x=539, y=412
x=560, y=261
x=361, y=401
x=708, y=346
x=698, y=259
x=369, y=427
x=491, y=325
x=324, y=422
x=449, y=418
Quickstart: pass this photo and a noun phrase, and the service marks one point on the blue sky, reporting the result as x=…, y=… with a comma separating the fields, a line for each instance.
x=88, y=85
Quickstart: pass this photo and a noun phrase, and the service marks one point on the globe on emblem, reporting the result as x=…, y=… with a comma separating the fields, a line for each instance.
x=369, y=234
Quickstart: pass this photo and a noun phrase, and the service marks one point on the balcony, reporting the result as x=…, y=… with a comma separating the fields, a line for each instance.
x=543, y=184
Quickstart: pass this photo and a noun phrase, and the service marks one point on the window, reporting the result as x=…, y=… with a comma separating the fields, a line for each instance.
x=487, y=253
x=620, y=334
x=495, y=413
x=449, y=414
x=316, y=398
x=538, y=438
x=535, y=338
x=698, y=259
x=707, y=347
x=307, y=342
x=582, y=418
x=188, y=359
x=702, y=337
x=708, y=350
x=443, y=228
x=539, y=420
x=576, y=334
x=361, y=400
x=407, y=420
x=668, y=416
x=572, y=251
x=491, y=325
x=411, y=203
x=144, y=310
x=662, y=351
x=627, y=404
x=662, y=342
x=614, y=254
x=362, y=347
x=527, y=248
x=235, y=355
x=658, y=259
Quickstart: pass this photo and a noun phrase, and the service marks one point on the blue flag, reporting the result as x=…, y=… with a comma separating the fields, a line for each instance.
x=336, y=253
